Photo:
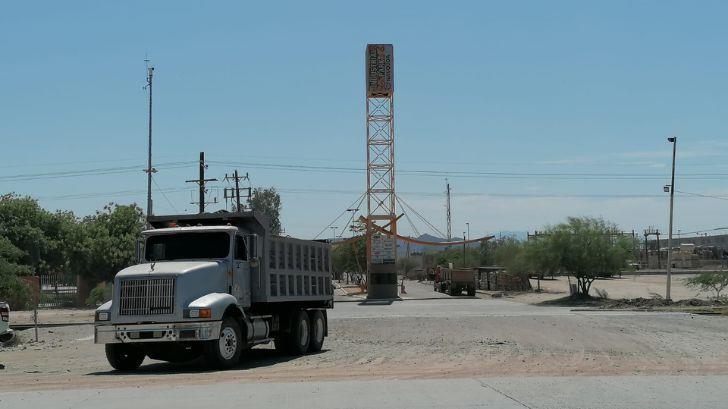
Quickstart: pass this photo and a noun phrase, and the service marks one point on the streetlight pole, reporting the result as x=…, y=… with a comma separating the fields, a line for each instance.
x=464, y=249
x=672, y=140
x=334, y=229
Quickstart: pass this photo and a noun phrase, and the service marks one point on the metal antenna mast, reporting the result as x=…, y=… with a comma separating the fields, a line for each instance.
x=381, y=248
x=447, y=208
x=149, y=170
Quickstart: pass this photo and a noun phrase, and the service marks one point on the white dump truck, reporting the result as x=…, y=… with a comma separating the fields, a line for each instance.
x=213, y=285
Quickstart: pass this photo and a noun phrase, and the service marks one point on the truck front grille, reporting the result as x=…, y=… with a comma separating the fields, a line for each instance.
x=147, y=296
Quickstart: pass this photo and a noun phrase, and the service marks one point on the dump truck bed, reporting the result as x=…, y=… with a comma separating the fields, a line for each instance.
x=289, y=269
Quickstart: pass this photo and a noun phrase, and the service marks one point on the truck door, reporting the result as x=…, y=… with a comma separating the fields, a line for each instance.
x=241, y=272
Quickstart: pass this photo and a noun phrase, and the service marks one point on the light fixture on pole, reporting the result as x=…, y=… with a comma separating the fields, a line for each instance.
x=671, y=188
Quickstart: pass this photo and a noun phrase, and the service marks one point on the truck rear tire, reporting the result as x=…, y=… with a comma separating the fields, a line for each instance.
x=471, y=291
x=300, y=334
x=318, y=329
x=224, y=353
x=124, y=357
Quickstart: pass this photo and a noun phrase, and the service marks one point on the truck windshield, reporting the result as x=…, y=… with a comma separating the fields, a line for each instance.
x=187, y=246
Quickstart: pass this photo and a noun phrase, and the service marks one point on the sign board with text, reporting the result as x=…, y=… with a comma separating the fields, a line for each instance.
x=380, y=70
x=384, y=249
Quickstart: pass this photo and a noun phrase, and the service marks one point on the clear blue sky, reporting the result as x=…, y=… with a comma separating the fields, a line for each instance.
x=568, y=89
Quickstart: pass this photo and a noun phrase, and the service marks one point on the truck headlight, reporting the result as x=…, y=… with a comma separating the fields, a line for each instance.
x=198, y=313
x=102, y=316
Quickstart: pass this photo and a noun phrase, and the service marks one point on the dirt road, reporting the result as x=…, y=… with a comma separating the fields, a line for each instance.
x=414, y=339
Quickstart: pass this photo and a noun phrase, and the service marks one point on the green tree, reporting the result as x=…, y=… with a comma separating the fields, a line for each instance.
x=350, y=256
x=110, y=241
x=454, y=255
x=405, y=265
x=583, y=247
x=12, y=289
x=715, y=281
x=268, y=202
x=53, y=238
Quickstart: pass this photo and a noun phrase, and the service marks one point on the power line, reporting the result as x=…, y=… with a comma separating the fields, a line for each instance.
x=357, y=170
x=703, y=195
x=427, y=222
x=165, y=196
x=89, y=172
x=409, y=194
x=355, y=204
x=488, y=174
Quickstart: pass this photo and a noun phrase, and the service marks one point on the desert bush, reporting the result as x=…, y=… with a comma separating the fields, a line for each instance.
x=98, y=296
x=712, y=281
x=603, y=294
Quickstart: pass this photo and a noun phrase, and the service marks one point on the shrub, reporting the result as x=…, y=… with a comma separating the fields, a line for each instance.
x=98, y=296
x=715, y=281
x=603, y=294
x=15, y=292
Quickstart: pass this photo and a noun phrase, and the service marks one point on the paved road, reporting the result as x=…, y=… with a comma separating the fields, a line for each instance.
x=557, y=393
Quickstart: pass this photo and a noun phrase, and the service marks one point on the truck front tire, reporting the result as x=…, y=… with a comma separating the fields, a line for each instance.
x=224, y=353
x=318, y=329
x=124, y=357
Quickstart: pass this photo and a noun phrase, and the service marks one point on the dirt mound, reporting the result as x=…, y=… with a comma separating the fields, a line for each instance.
x=657, y=302
x=628, y=303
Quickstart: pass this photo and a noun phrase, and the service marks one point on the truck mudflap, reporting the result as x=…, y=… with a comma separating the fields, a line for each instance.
x=162, y=332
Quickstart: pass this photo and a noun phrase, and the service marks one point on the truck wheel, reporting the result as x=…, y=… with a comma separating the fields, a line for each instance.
x=300, y=335
x=454, y=291
x=124, y=357
x=471, y=291
x=225, y=352
x=318, y=329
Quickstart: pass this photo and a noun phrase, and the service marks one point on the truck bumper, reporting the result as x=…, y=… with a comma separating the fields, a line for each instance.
x=162, y=332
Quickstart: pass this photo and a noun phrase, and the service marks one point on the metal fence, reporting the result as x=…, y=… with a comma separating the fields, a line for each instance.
x=57, y=291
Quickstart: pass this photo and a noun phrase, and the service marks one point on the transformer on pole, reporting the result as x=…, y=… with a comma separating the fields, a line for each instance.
x=381, y=248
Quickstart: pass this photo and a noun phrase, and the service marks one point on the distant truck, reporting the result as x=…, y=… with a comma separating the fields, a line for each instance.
x=454, y=281
x=213, y=285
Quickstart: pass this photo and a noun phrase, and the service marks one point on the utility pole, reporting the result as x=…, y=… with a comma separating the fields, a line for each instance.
x=651, y=231
x=149, y=169
x=237, y=191
x=447, y=208
x=659, y=253
x=201, y=182
x=672, y=140
x=647, y=254
x=234, y=193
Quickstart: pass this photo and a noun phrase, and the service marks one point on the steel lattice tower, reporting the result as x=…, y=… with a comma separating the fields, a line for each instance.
x=381, y=211
x=380, y=162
